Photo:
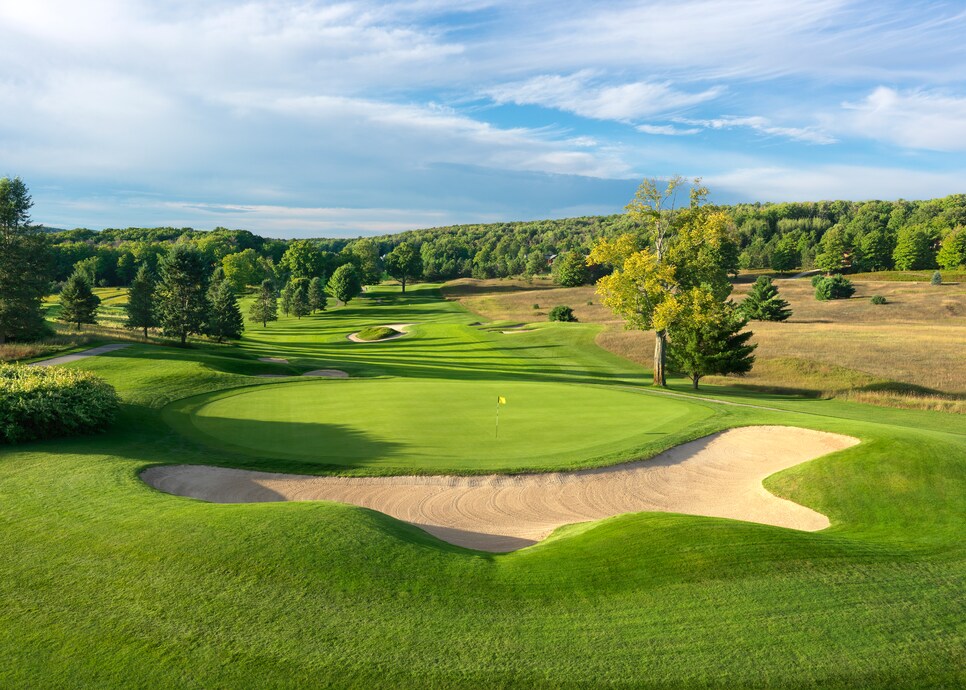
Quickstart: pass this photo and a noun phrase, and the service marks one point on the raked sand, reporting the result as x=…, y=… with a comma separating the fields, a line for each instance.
x=717, y=476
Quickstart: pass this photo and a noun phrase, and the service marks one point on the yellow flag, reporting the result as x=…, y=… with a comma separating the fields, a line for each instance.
x=501, y=400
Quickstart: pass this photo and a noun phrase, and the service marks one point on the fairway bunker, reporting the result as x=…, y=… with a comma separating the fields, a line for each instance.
x=401, y=327
x=716, y=476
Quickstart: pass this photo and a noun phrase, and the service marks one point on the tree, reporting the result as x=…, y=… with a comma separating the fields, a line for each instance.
x=952, y=251
x=562, y=313
x=686, y=248
x=88, y=268
x=366, y=254
x=785, y=256
x=78, y=303
x=241, y=269
x=140, y=301
x=404, y=263
x=832, y=287
x=301, y=260
x=763, y=302
x=912, y=252
x=836, y=251
x=265, y=306
x=877, y=247
x=300, y=297
x=26, y=266
x=345, y=283
x=182, y=293
x=287, y=293
x=570, y=270
x=317, y=298
x=225, y=318
x=707, y=338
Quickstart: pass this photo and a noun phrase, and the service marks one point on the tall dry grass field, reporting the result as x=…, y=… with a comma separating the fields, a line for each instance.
x=917, y=339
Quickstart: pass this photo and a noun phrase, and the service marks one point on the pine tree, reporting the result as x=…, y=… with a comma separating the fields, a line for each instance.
x=78, y=303
x=25, y=265
x=225, y=318
x=317, y=299
x=300, y=298
x=182, y=294
x=707, y=339
x=265, y=306
x=345, y=283
x=763, y=302
x=140, y=301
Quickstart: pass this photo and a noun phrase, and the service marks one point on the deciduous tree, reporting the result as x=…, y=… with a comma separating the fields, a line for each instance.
x=345, y=283
x=404, y=263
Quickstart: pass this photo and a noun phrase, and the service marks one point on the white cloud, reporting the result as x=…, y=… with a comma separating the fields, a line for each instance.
x=579, y=94
x=913, y=119
x=667, y=130
x=812, y=183
x=763, y=125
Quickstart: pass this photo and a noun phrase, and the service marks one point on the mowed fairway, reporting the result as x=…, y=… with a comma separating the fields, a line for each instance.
x=434, y=425
x=105, y=581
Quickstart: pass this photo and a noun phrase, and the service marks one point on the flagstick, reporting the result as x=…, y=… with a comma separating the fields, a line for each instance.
x=496, y=433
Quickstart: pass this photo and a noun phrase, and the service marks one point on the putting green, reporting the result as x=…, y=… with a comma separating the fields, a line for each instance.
x=434, y=425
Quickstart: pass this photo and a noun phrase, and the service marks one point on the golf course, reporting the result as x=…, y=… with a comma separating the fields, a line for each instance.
x=475, y=503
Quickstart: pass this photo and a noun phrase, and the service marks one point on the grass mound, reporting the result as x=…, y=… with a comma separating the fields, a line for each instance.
x=39, y=403
x=377, y=333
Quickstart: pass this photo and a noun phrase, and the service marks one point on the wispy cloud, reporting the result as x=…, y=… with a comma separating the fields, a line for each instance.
x=582, y=95
x=919, y=119
x=667, y=130
x=763, y=125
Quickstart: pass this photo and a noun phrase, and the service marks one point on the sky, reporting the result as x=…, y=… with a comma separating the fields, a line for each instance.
x=312, y=119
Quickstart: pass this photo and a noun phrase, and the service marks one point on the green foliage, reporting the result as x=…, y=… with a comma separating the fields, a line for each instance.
x=936, y=279
x=365, y=253
x=181, y=296
x=404, y=263
x=78, y=303
x=707, y=337
x=763, y=302
x=913, y=250
x=876, y=248
x=288, y=292
x=300, y=297
x=317, y=298
x=832, y=287
x=140, y=302
x=25, y=265
x=241, y=269
x=570, y=270
x=47, y=402
x=345, y=284
x=264, y=307
x=562, y=313
x=785, y=256
x=835, y=253
x=225, y=318
x=878, y=299
x=301, y=260
x=952, y=250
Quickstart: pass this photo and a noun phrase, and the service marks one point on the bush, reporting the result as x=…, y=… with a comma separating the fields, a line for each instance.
x=47, y=402
x=562, y=313
x=937, y=279
x=536, y=306
x=834, y=287
x=878, y=299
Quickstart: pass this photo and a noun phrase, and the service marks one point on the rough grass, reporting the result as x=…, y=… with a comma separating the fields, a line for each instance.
x=106, y=582
x=826, y=348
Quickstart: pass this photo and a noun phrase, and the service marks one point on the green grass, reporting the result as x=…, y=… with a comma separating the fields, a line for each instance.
x=377, y=333
x=106, y=582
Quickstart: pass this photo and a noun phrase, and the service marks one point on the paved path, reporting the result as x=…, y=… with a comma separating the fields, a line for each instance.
x=65, y=359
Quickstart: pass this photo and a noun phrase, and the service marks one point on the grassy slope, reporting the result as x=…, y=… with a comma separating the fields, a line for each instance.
x=105, y=581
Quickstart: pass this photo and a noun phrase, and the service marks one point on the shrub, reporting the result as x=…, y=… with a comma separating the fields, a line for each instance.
x=816, y=279
x=878, y=299
x=562, y=313
x=937, y=278
x=536, y=306
x=47, y=402
x=834, y=287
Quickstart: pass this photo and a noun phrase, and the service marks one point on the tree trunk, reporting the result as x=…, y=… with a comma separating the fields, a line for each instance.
x=145, y=332
x=404, y=285
x=694, y=381
x=660, y=358
x=184, y=338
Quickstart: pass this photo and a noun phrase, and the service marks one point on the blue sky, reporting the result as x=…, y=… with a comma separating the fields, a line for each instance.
x=327, y=119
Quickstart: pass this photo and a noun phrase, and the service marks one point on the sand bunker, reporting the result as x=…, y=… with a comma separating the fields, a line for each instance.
x=401, y=327
x=274, y=360
x=718, y=476
x=327, y=373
